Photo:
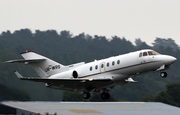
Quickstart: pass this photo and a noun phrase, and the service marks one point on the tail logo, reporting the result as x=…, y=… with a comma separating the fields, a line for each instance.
x=50, y=68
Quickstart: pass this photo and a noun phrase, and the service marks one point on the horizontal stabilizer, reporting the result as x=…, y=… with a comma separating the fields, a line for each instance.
x=43, y=66
x=24, y=61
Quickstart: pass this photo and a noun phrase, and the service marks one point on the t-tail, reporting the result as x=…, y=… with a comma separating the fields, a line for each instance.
x=44, y=66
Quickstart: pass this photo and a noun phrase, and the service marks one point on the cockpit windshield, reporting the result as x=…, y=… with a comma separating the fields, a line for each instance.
x=153, y=53
x=148, y=53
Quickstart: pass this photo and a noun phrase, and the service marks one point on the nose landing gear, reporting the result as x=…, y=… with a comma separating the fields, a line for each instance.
x=163, y=74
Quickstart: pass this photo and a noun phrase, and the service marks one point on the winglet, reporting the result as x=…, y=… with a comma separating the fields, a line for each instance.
x=18, y=74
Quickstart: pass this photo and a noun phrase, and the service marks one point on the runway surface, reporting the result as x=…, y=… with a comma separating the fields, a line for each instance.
x=96, y=108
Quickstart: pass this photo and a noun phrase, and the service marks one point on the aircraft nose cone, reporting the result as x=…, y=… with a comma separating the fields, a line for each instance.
x=174, y=59
x=170, y=59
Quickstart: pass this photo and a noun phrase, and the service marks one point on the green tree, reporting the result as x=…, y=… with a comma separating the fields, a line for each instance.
x=170, y=96
x=96, y=97
x=174, y=91
x=165, y=43
x=72, y=96
x=164, y=97
x=8, y=93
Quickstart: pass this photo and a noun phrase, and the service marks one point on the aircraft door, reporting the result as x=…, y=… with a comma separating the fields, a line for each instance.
x=144, y=60
x=145, y=57
x=102, y=67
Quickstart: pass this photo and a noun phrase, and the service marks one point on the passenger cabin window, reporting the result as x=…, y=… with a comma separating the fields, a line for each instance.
x=144, y=53
x=90, y=68
x=108, y=64
x=102, y=65
x=140, y=55
x=96, y=67
x=118, y=62
x=113, y=63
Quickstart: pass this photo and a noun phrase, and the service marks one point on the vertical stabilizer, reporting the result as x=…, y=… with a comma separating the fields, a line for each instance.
x=45, y=67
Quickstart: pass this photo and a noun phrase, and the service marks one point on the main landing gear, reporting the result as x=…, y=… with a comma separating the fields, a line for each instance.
x=105, y=95
x=87, y=95
x=163, y=74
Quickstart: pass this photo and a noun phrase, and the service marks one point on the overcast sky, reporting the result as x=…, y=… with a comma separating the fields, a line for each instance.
x=145, y=19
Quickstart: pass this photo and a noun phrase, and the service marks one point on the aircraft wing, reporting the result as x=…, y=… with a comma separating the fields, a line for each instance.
x=70, y=83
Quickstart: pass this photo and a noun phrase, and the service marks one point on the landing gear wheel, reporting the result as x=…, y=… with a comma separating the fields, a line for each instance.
x=86, y=95
x=163, y=74
x=105, y=95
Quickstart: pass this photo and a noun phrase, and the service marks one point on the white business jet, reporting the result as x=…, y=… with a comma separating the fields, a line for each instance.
x=96, y=76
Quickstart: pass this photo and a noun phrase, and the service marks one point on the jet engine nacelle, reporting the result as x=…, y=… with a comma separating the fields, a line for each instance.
x=74, y=73
x=66, y=74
